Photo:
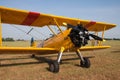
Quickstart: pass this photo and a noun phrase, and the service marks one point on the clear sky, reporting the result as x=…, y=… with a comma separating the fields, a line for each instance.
x=96, y=10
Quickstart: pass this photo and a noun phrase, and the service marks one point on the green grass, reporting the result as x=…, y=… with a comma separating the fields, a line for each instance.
x=16, y=44
x=27, y=43
x=105, y=66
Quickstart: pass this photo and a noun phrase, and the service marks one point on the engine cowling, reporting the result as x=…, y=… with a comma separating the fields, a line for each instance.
x=79, y=36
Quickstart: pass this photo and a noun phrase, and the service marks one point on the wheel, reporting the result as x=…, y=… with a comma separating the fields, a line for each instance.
x=86, y=63
x=54, y=66
x=33, y=56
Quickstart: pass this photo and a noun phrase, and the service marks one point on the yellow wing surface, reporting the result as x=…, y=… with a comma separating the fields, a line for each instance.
x=23, y=17
x=41, y=51
x=28, y=50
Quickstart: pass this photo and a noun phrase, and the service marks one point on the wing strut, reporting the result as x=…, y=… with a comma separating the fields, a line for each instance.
x=57, y=25
x=51, y=30
x=103, y=32
x=102, y=35
x=0, y=31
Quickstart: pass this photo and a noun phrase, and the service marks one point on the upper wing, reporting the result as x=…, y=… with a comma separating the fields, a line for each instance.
x=22, y=17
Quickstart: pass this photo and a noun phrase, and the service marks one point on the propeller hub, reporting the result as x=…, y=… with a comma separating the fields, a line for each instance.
x=79, y=36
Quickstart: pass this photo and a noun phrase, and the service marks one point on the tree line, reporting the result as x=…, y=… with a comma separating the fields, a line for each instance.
x=11, y=39
x=8, y=39
x=112, y=38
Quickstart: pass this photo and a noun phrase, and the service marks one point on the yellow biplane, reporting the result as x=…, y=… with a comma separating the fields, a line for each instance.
x=74, y=38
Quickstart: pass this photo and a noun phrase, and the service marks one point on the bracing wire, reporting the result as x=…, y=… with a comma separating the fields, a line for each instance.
x=30, y=30
x=41, y=34
x=28, y=33
x=23, y=31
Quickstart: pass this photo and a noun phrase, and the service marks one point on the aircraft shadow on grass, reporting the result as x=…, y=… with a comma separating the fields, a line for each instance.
x=39, y=59
x=116, y=51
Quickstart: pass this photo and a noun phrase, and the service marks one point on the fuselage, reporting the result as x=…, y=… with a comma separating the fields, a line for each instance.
x=60, y=40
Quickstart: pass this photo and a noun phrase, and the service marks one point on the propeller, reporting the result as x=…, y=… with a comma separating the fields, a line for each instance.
x=96, y=37
x=80, y=27
x=79, y=35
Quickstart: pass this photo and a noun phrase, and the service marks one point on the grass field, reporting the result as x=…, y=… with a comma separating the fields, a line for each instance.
x=105, y=65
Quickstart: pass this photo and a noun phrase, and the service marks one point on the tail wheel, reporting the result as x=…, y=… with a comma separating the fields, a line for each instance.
x=54, y=66
x=33, y=56
x=86, y=63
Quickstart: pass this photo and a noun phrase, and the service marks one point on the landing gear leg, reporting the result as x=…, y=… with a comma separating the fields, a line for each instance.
x=54, y=65
x=85, y=62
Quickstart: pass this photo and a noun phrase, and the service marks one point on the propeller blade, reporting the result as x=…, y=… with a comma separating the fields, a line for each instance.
x=96, y=37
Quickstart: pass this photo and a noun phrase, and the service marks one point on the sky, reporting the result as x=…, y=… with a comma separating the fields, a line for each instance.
x=95, y=10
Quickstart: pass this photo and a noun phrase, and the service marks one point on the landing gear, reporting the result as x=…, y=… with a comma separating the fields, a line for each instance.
x=54, y=66
x=86, y=63
x=33, y=56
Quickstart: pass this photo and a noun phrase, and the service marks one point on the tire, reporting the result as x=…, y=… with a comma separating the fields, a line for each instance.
x=85, y=64
x=54, y=66
x=33, y=56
